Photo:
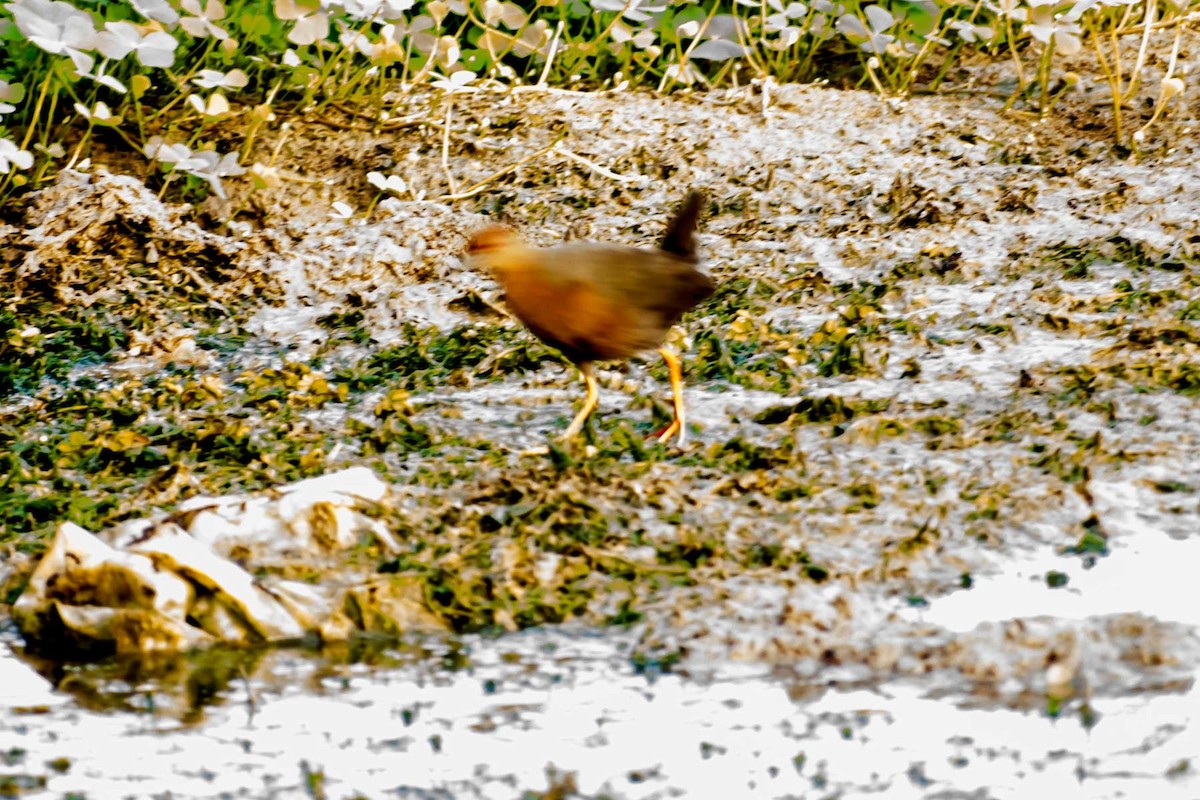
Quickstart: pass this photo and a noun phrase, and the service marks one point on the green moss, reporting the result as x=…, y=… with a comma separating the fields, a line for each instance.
x=1074, y=261
x=429, y=358
x=739, y=294
x=938, y=425
x=739, y=455
x=37, y=344
x=1093, y=542
x=865, y=494
x=826, y=408
x=739, y=360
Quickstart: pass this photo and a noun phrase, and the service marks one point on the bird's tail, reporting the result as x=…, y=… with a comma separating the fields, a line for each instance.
x=680, y=238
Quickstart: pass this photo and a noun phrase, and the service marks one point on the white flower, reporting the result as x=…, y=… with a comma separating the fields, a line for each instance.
x=870, y=37
x=1011, y=9
x=642, y=39
x=378, y=10
x=57, y=28
x=1171, y=87
x=355, y=41
x=632, y=11
x=416, y=29
x=207, y=165
x=213, y=79
x=684, y=73
x=178, y=155
x=105, y=80
x=217, y=105
x=264, y=176
x=204, y=19
x=312, y=24
x=392, y=183
x=448, y=52
x=55, y=150
x=342, y=211
x=456, y=81
x=389, y=49
x=13, y=156
x=718, y=50
x=100, y=115
x=438, y=10
x=645, y=38
x=1046, y=26
x=970, y=32
x=158, y=10
x=157, y=49
x=510, y=15
x=213, y=166
x=119, y=39
x=819, y=26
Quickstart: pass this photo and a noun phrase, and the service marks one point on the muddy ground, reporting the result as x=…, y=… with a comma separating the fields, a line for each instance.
x=953, y=349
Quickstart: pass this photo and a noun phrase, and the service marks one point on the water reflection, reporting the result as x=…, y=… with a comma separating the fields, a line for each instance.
x=552, y=713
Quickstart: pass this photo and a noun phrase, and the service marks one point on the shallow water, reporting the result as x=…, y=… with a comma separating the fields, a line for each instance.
x=1152, y=575
x=546, y=703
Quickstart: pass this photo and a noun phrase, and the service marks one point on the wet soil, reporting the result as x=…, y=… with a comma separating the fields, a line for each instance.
x=943, y=406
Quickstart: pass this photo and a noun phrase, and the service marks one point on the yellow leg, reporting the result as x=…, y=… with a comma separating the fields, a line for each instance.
x=589, y=403
x=678, y=425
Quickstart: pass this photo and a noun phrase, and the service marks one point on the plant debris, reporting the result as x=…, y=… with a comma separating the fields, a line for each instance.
x=906, y=381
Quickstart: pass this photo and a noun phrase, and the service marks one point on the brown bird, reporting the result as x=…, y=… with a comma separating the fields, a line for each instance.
x=599, y=302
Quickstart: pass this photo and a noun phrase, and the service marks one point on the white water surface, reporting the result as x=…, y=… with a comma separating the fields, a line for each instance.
x=495, y=729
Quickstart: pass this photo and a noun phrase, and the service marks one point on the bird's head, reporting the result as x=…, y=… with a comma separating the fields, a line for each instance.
x=491, y=239
x=500, y=251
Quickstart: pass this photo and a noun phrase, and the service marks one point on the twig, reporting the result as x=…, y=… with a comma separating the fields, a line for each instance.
x=541, y=84
x=341, y=126
x=450, y=182
x=414, y=120
x=1162, y=23
x=247, y=147
x=1170, y=87
x=285, y=130
x=1114, y=84
x=1135, y=74
x=500, y=173
x=205, y=287
x=872, y=65
x=1012, y=48
x=967, y=90
x=499, y=311
x=592, y=165
x=408, y=86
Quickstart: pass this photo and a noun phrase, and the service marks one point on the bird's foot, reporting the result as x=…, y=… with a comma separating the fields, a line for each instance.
x=664, y=435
